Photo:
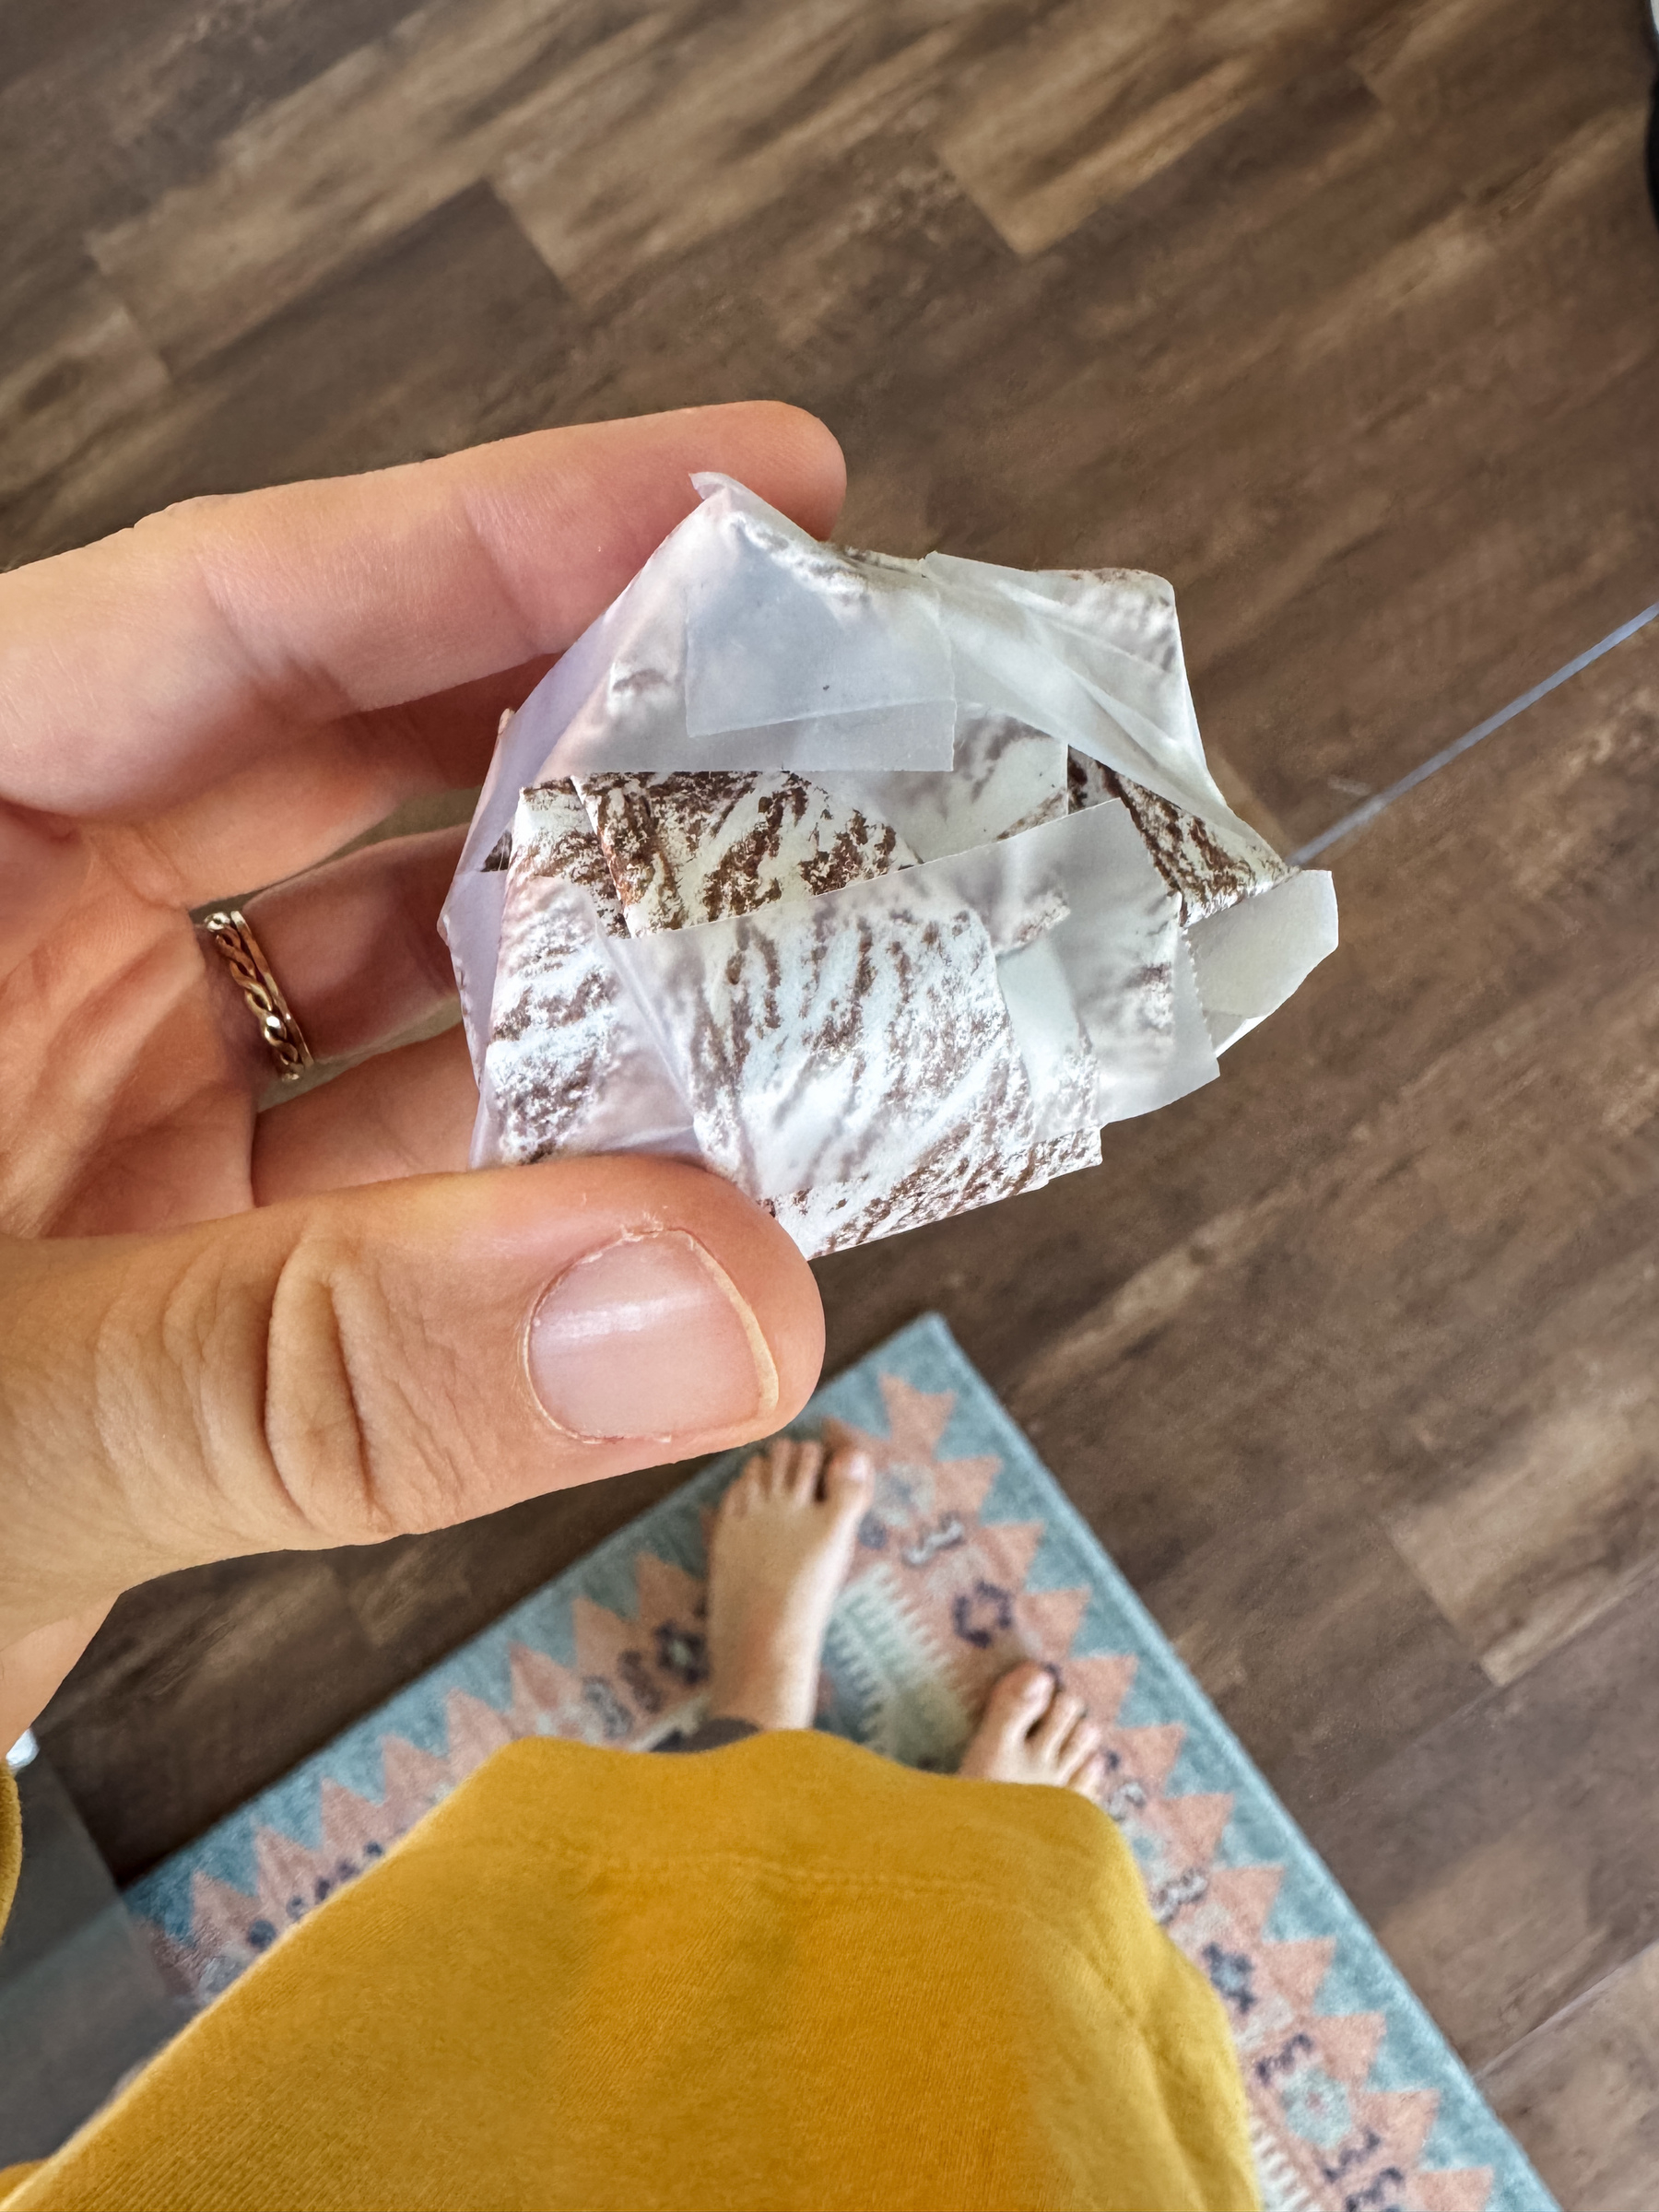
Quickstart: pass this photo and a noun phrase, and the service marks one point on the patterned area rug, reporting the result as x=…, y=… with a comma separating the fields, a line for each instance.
x=969, y=1556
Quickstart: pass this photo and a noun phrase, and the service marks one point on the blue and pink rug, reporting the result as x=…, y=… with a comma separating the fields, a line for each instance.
x=969, y=1557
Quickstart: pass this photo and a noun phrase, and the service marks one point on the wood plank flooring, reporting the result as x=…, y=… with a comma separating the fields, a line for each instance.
x=1344, y=314
x=1584, y=2091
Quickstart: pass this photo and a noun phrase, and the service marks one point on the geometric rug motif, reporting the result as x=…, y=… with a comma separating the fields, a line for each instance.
x=969, y=1557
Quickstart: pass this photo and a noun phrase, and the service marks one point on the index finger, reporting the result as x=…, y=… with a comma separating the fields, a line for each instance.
x=138, y=669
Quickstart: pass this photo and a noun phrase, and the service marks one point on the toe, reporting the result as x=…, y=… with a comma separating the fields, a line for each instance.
x=1066, y=1709
x=1091, y=1780
x=741, y=1494
x=1078, y=1749
x=780, y=1462
x=847, y=1481
x=1017, y=1702
x=803, y=1475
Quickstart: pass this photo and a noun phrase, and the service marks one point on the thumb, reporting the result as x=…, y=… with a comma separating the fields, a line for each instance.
x=399, y=1357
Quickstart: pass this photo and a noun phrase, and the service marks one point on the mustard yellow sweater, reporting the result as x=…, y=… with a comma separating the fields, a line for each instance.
x=787, y=1973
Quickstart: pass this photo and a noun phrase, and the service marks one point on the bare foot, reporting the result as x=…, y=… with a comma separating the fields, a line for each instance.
x=1035, y=1731
x=780, y=1554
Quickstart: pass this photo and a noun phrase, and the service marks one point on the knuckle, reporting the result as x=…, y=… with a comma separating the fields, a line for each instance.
x=350, y=1440
x=197, y=513
x=210, y=1331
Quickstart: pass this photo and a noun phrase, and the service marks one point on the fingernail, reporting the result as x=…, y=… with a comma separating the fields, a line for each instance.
x=648, y=1338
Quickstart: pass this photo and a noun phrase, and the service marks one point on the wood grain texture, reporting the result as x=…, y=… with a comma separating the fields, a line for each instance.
x=276, y=409
x=1468, y=78
x=83, y=364
x=1090, y=103
x=1583, y=2092
x=1505, y=1857
x=1387, y=432
x=1344, y=314
x=1559, y=1519
x=1326, y=1652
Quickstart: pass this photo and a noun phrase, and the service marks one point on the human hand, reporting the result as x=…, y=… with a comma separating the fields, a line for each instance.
x=226, y=1331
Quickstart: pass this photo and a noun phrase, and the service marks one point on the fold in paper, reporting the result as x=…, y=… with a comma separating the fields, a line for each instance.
x=878, y=886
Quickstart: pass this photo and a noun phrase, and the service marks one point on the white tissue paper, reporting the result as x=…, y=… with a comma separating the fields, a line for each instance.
x=876, y=885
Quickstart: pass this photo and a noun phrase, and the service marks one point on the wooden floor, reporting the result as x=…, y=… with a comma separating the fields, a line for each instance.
x=1344, y=314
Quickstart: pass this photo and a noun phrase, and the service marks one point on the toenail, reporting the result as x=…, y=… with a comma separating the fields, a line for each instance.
x=856, y=1466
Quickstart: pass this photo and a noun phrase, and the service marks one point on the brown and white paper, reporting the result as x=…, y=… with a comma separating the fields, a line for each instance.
x=876, y=885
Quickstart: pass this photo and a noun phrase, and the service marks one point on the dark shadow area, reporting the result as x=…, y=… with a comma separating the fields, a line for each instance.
x=81, y=2000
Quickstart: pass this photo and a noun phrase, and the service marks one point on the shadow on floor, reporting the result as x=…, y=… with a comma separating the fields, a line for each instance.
x=81, y=2001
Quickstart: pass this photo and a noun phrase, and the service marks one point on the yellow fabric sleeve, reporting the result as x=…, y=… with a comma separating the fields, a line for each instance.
x=11, y=1840
x=783, y=1974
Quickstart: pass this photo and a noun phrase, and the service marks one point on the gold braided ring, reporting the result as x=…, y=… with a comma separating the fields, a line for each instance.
x=238, y=947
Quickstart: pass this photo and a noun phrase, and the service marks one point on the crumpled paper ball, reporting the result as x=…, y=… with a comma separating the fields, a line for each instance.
x=876, y=885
